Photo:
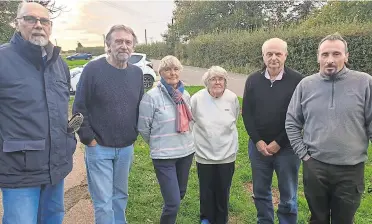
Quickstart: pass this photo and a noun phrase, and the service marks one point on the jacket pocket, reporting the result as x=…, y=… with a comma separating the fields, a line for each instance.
x=26, y=155
x=23, y=145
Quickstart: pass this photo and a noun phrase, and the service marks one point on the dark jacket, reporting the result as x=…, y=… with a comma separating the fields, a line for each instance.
x=109, y=100
x=35, y=147
x=265, y=106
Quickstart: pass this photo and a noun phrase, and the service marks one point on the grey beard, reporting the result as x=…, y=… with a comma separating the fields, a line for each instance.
x=40, y=41
x=118, y=63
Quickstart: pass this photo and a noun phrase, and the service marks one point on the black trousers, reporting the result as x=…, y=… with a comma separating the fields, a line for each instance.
x=173, y=175
x=333, y=192
x=214, y=187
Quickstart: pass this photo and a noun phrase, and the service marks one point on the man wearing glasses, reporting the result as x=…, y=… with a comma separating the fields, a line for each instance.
x=35, y=147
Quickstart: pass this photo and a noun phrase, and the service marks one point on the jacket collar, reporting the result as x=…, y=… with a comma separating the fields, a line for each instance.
x=32, y=52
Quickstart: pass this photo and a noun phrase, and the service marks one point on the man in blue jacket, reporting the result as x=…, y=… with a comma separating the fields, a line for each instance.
x=35, y=148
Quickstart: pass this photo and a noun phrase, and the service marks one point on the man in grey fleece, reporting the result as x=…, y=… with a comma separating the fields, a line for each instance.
x=333, y=108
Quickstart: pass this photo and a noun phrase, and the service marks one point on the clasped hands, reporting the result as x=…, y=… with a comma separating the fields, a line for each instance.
x=267, y=150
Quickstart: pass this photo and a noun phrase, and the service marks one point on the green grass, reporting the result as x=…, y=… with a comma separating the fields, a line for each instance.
x=75, y=63
x=145, y=201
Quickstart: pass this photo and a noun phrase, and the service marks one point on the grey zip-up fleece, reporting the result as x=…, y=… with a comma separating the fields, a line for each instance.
x=335, y=115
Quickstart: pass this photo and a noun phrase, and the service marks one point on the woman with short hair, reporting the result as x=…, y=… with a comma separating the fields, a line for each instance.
x=164, y=123
x=215, y=111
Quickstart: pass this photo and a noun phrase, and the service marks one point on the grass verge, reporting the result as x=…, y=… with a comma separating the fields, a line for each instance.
x=145, y=201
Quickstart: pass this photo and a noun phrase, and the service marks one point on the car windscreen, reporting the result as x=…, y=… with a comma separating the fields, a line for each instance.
x=135, y=59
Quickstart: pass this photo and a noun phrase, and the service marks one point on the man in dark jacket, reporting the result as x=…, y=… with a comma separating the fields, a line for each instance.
x=35, y=147
x=265, y=102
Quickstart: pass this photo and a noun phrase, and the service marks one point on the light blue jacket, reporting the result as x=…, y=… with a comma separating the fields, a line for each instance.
x=157, y=125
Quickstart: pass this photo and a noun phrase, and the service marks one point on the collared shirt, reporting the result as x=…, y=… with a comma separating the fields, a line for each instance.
x=278, y=77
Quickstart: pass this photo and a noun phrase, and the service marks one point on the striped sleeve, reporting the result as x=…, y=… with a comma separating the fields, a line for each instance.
x=145, y=119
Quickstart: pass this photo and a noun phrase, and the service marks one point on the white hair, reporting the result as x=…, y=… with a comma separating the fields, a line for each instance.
x=214, y=71
x=169, y=61
x=277, y=41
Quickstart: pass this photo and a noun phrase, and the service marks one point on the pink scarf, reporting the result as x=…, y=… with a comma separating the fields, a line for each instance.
x=183, y=116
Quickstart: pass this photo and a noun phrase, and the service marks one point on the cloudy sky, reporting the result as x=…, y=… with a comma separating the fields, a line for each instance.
x=87, y=20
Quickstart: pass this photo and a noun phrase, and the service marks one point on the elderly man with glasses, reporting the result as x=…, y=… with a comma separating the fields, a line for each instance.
x=35, y=146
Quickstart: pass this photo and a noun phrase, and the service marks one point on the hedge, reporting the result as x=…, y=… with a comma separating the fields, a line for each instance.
x=155, y=50
x=92, y=50
x=240, y=51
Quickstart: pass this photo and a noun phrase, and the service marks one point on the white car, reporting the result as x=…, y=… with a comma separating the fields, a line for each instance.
x=138, y=59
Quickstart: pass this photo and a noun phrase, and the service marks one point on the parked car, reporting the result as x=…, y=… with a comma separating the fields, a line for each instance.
x=149, y=74
x=138, y=59
x=149, y=63
x=75, y=74
x=79, y=56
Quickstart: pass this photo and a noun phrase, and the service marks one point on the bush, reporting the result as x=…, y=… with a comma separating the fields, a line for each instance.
x=155, y=50
x=240, y=51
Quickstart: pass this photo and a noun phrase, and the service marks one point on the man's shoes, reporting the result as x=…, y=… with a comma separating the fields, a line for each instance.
x=205, y=221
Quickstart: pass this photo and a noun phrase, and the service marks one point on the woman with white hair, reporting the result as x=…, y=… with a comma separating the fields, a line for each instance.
x=164, y=123
x=215, y=110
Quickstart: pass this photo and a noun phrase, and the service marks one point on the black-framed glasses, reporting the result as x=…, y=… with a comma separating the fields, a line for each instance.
x=32, y=20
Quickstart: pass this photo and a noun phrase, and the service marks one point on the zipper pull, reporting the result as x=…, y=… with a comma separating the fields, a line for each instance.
x=271, y=84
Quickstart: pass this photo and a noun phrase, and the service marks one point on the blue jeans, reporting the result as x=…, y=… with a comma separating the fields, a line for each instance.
x=286, y=165
x=108, y=170
x=34, y=205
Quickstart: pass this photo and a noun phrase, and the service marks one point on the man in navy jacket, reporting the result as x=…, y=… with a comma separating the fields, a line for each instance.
x=35, y=148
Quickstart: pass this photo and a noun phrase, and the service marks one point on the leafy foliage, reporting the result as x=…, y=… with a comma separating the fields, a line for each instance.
x=240, y=50
x=337, y=12
x=8, y=11
x=193, y=18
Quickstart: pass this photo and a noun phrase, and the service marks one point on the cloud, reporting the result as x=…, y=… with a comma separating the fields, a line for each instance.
x=87, y=20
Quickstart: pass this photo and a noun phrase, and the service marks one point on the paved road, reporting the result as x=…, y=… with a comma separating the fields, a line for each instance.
x=79, y=208
x=193, y=75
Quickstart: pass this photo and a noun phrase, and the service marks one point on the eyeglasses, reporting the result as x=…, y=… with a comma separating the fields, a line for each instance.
x=215, y=79
x=32, y=20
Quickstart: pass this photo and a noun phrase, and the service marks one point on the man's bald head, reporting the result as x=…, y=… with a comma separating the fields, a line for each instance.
x=274, y=54
x=31, y=6
x=274, y=42
x=33, y=22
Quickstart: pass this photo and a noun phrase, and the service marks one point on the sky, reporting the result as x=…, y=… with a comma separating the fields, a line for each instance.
x=87, y=20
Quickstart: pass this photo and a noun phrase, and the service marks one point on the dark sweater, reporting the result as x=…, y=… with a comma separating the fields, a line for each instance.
x=265, y=106
x=109, y=100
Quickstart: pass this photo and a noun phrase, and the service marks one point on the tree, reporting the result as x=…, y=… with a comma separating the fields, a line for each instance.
x=284, y=13
x=199, y=17
x=8, y=12
x=341, y=12
x=79, y=45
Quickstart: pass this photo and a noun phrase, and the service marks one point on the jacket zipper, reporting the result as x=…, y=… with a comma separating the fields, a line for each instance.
x=333, y=94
